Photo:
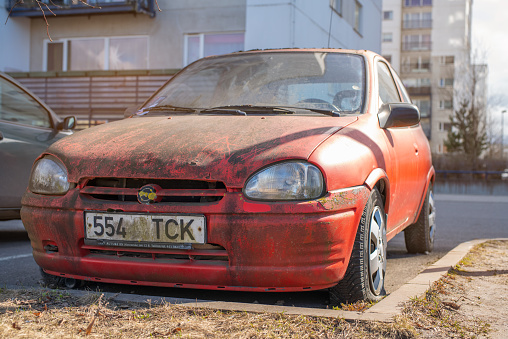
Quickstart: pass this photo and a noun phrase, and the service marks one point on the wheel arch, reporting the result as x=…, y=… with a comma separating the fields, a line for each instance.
x=378, y=179
x=431, y=176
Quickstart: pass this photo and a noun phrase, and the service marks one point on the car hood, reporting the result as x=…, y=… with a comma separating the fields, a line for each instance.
x=223, y=148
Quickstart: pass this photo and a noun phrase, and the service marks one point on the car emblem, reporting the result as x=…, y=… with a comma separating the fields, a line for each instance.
x=148, y=194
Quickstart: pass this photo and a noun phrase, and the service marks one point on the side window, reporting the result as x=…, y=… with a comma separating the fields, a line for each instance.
x=19, y=107
x=387, y=89
x=405, y=95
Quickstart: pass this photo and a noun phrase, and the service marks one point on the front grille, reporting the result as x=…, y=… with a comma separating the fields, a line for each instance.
x=209, y=252
x=172, y=190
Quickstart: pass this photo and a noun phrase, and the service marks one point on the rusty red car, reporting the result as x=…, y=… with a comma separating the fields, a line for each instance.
x=273, y=170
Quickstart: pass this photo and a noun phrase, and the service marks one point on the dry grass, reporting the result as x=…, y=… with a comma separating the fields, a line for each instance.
x=57, y=314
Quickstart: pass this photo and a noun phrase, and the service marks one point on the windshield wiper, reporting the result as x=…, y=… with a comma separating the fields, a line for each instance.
x=322, y=111
x=166, y=108
x=224, y=109
x=251, y=108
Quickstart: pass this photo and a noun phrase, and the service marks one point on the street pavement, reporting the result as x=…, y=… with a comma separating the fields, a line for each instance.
x=459, y=219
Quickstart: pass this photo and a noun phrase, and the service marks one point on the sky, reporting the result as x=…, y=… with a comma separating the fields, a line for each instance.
x=490, y=35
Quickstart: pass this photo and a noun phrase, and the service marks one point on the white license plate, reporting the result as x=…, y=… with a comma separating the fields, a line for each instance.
x=144, y=230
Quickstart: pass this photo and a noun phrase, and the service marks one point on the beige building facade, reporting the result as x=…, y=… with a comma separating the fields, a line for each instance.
x=429, y=44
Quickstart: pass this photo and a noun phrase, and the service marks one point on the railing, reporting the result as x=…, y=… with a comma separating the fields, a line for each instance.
x=31, y=8
x=94, y=97
x=416, y=68
x=416, y=24
x=419, y=90
x=416, y=46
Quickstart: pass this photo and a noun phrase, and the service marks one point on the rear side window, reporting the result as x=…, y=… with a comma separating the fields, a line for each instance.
x=18, y=106
x=387, y=89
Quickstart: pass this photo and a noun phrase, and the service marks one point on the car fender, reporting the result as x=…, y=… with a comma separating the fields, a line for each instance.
x=373, y=179
x=430, y=181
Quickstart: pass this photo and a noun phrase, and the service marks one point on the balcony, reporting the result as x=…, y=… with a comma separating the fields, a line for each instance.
x=416, y=68
x=417, y=24
x=424, y=90
x=30, y=8
x=417, y=46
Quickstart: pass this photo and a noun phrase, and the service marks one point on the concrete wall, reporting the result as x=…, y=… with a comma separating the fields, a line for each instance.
x=303, y=23
x=14, y=42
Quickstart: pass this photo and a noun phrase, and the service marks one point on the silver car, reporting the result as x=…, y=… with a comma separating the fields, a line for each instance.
x=27, y=128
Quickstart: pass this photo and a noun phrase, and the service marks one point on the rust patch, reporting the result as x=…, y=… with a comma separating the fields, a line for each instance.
x=345, y=198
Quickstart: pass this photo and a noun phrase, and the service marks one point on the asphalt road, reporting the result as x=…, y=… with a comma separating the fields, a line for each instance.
x=459, y=219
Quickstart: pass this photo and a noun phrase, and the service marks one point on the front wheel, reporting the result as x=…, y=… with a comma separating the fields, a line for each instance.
x=419, y=236
x=365, y=274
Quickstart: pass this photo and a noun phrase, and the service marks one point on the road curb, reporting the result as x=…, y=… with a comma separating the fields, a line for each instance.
x=383, y=311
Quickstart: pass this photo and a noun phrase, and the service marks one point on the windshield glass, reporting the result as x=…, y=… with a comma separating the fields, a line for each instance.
x=325, y=81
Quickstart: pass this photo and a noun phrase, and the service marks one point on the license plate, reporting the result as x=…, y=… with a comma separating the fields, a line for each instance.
x=144, y=230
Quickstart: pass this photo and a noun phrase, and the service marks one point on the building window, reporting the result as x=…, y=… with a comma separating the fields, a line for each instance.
x=417, y=20
x=423, y=106
x=202, y=45
x=444, y=126
x=445, y=82
x=388, y=15
x=87, y=54
x=445, y=104
x=388, y=58
x=336, y=6
x=358, y=17
x=416, y=42
x=447, y=60
x=417, y=3
x=387, y=37
x=417, y=82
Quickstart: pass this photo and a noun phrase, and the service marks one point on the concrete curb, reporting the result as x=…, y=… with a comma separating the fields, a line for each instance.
x=383, y=311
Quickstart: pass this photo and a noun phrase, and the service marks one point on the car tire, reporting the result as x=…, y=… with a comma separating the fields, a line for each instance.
x=53, y=281
x=364, y=277
x=419, y=236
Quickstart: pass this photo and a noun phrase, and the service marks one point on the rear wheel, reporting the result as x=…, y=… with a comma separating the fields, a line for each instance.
x=364, y=278
x=419, y=236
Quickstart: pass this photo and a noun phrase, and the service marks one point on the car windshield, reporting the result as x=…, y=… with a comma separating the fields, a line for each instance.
x=238, y=83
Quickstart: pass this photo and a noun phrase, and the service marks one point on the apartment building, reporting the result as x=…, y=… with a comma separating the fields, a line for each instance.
x=107, y=48
x=429, y=43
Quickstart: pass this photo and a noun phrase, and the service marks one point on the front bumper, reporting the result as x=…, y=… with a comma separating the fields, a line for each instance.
x=268, y=246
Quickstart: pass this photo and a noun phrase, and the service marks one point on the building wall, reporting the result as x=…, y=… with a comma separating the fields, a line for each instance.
x=266, y=24
x=14, y=35
x=450, y=37
x=165, y=31
x=393, y=26
x=450, y=33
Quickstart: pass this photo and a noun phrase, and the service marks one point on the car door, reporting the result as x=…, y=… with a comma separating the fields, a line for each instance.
x=403, y=150
x=27, y=128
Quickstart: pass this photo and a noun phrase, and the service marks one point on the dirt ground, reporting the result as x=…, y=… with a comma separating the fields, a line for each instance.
x=469, y=302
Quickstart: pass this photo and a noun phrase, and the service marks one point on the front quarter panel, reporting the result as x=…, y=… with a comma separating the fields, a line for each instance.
x=349, y=156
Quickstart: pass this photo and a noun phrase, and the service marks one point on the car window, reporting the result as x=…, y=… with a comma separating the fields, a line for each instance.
x=387, y=89
x=405, y=95
x=18, y=106
x=297, y=79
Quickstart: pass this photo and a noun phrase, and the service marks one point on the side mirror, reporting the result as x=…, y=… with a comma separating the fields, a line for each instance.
x=398, y=115
x=67, y=124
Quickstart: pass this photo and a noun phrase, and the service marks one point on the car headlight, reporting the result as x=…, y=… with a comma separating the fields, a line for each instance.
x=49, y=176
x=293, y=180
